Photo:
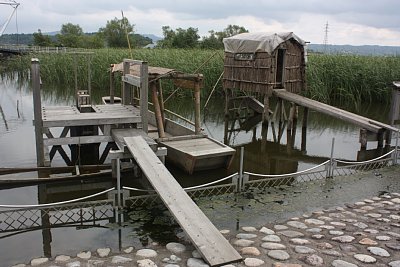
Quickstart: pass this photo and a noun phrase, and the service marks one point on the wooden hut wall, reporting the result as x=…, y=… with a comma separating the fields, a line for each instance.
x=294, y=67
x=259, y=75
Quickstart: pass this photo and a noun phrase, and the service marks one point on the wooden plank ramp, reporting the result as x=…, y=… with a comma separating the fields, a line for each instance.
x=214, y=248
x=363, y=122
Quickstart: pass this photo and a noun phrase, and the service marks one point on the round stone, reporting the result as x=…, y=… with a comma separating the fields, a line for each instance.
x=304, y=250
x=348, y=248
x=335, y=232
x=332, y=252
x=225, y=231
x=249, y=229
x=394, y=217
x=314, y=221
x=383, y=238
x=360, y=225
x=62, y=258
x=364, y=258
x=325, y=218
x=273, y=246
x=39, y=261
x=371, y=231
x=314, y=260
x=317, y=236
x=314, y=230
x=360, y=203
x=343, y=238
x=271, y=238
x=193, y=262
x=376, y=198
x=146, y=263
x=196, y=254
x=367, y=208
x=128, y=250
x=84, y=255
x=267, y=231
x=349, y=220
x=120, y=260
x=74, y=264
x=338, y=224
x=280, y=227
x=253, y=251
x=327, y=227
x=374, y=215
x=397, y=235
x=324, y=245
x=367, y=241
x=393, y=246
x=253, y=262
x=246, y=236
x=296, y=224
x=394, y=264
x=175, y=248
x=379, y=251
x=243, y=243
x=103, y=252
x=291, y=234
x=280, y=255
x=146, y=253
x=396, y=200
x=299, y=241
x=341, y=263
x=369, y=201
x=171, y=265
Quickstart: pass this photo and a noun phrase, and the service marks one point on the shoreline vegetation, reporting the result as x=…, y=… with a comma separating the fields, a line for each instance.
x=339, y=78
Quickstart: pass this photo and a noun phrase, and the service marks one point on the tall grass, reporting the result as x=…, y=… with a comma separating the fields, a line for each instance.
x=344, y=78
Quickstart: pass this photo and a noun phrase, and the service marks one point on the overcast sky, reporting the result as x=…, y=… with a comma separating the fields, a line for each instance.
x=355, y=22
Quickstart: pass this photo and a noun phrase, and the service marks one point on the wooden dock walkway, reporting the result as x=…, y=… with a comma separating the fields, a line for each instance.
x=214, y=248
x=363, y=122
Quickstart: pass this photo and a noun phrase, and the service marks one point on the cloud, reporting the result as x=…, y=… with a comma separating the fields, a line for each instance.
x=350, y=21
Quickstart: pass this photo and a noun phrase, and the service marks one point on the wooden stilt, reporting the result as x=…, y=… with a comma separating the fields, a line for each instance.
x=304, y=130
x=157, y=110
x=112, y=87
x=394, y=114
x=126, y=88
x=37, y=112
x=197, y=126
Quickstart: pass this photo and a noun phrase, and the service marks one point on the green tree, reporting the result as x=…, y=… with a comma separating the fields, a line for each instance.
x=179, y=38
x=40, y=39
x=92, y=41
x=114, y=33
x=214, y=41
x=70, y=35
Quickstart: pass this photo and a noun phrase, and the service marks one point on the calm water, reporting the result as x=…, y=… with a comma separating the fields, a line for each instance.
x=17, y=149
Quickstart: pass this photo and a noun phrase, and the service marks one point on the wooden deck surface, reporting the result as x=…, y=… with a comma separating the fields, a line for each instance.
x=61, y=116
x=214, y=248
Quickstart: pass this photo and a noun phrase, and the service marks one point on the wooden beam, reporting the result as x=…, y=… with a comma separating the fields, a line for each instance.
x=77, y=140
x=197, y=125
x=210, y=243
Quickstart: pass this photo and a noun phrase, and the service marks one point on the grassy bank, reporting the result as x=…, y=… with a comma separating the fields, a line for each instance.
x=343, y=78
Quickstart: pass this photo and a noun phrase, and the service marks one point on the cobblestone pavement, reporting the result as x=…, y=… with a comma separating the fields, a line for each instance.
x=365, y=233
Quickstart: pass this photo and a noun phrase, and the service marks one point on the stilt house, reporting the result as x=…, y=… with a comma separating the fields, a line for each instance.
x=257, y=63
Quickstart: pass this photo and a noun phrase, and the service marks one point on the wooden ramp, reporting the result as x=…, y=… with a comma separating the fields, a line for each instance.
x=363, y=122
x=214, y=248
x=197, y=152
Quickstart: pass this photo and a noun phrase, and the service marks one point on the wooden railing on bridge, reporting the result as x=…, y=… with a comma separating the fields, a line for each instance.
x=26, y=49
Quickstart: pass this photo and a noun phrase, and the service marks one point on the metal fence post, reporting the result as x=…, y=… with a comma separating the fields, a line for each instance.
x=241, y=168
x=331, y=158
x=118, y=183
x=396, y=149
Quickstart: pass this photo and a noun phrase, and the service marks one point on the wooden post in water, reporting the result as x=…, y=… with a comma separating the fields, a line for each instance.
x=157, y=109
x=112, y=87
x=197, y=126
x=304, y=130
x=37, y=112
x=144, y=88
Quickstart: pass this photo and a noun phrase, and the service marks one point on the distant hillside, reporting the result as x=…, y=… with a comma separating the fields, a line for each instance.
x=368, y=50
x=153, y=37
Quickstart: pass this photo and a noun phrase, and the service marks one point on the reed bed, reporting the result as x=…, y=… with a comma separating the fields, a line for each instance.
x=330, y=78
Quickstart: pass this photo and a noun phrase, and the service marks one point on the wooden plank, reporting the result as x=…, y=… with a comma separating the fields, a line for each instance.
x=327, y=109
x=77, y=140
x=214, y=248
x=89, y=119
x=132, y=80
x=119, y=135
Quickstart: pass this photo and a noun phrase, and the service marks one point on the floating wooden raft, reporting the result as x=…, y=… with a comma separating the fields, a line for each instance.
x=214, y=248
x=197, y=152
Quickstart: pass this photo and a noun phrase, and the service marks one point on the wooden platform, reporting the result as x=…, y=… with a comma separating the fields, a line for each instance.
x=363, y=122
x=214, y=248
x=197, y=152
x=62, y=116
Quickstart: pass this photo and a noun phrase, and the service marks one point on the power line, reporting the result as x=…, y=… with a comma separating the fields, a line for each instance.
x=326, y=37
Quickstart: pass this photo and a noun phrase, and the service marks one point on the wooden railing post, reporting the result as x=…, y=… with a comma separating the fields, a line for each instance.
x=197, y=126
x=144, y=89
x=37, y=111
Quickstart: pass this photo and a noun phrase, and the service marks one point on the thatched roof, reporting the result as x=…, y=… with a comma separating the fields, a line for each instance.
x=258, y=42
